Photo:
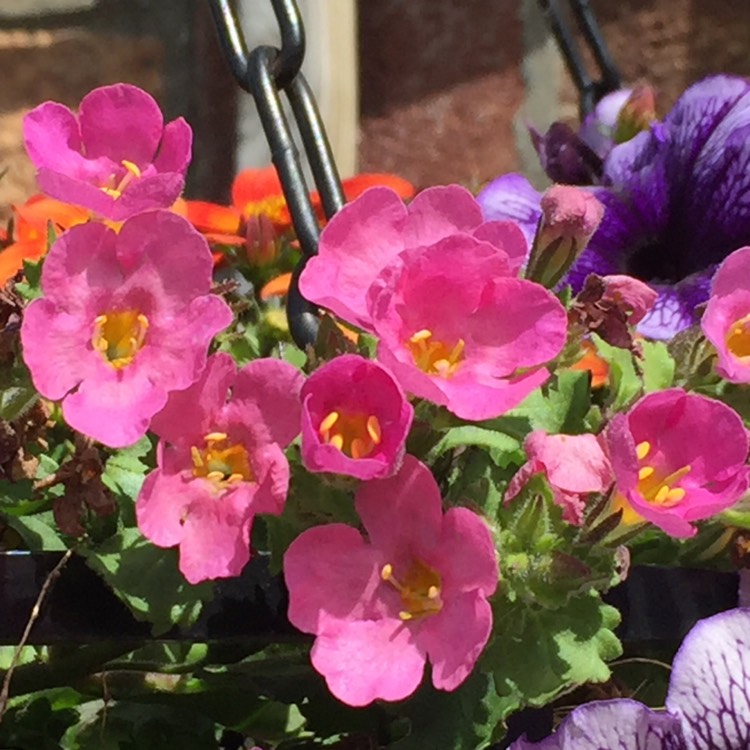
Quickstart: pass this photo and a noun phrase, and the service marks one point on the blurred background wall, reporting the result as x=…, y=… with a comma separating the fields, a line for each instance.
x=434, y=90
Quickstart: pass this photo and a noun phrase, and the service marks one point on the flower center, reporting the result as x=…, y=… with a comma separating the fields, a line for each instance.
x=119, y=336
x=738, y=338
x=654, y=486
x=272, y=207
x=419, y=588
x=221, y=461
x=356, y=435
x=435, y=357
x=132, y=171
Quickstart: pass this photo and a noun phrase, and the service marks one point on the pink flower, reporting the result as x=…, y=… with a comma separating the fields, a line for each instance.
x=355, y=419
x=371, y=231
x=631, y=295
x=117, y=158
x=678, y=457
x=726, y=321
x=220, y=463
x=458, y=329
x=575, y=466
x=415, y=589
x=125, y=319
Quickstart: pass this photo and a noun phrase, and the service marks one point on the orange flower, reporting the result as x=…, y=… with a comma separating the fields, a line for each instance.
x=30, y=231
x=257, y=192
x=592, y=362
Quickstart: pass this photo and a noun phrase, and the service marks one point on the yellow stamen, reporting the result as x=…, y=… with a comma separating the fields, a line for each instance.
x=738, y=338
x=221, y=461
x=645, y=472
x=642, y=450
x=132, y=168
x=420, y=589
x=329, y=421
x=435, y=357
x=356, y=435
x=119, y=335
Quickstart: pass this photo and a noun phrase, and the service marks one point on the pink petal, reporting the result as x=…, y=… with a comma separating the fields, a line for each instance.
x=367, y=660
x=454, y=638
x=733, y=273
x=506, y=235
x=403, y=512
x=355, y=245
x=439, y=212
x=216, y=541
x=115, y=407
x=465, y=554
x=163, y=501
x=331, y=574
x=149, y=192
x=269, y=393
x=271, y=470
x=471, y=398
x=574, y=463
x=122, y=122
x=52, y=138
x=189, y=414
x=175, y=148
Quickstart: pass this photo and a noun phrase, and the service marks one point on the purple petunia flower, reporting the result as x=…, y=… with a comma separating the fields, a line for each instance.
x=677, y=202
x=708, y=702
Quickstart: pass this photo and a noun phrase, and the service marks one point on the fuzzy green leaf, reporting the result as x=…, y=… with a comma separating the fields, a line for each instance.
x=147, y=579
x=624, y=383
x=538, y=654
x=657, y=366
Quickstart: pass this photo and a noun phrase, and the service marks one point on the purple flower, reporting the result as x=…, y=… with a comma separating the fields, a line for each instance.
x=116, y=158
x=677, y=202
x=708, y=702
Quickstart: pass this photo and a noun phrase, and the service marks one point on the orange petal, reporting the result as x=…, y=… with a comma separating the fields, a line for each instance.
x=276, y=287
x=592, y=362
x=255, y=185
x=12, y=258
x=32, y=217
x=213, y=218
x=355, y=186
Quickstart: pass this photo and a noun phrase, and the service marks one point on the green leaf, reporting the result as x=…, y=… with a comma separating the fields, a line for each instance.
x=657, y=366
x=538, y=654
x=39, y=532
x=125, y=471
x=503, y=448
x=134, y=726
x=17, y=392
x=624, y=383
x=148, y=580
x=30, y=289
x=463, y=719
x=560, y=406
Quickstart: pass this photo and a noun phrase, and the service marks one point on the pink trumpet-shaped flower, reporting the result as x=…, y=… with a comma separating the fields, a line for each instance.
x=678, y=457
x=220, y=463
x=414, y=590
x=458, y=329
x=369, y=233
x=125, y=319
x=726, y=321
x=355, y=419
x=117, y=158
x=575, y=466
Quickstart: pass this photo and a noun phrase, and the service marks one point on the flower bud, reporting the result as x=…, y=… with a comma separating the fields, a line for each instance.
x=637, y=114
x=262, y=247
x=570, y=217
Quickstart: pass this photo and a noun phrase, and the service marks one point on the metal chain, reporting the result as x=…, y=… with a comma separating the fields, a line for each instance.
x=264, y=73
x=590, y=91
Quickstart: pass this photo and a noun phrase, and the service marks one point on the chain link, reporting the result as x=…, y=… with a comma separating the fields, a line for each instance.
x=264, y=73
x=590, y=91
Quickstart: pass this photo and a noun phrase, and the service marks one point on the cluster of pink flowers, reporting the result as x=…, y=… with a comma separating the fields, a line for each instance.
x=464, y=318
